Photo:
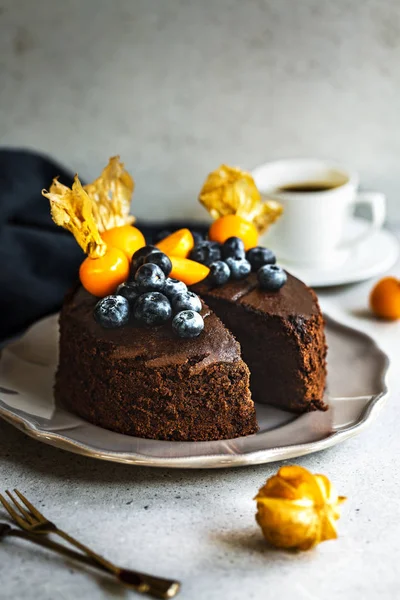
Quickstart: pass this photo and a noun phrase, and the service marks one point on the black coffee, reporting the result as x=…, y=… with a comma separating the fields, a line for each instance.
x=308, y=186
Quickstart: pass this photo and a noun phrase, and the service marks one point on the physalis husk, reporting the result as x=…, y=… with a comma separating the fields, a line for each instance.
x=73, y=210
x=112, y=194
x=229, y=190
x=89, y=210
x=297, y=510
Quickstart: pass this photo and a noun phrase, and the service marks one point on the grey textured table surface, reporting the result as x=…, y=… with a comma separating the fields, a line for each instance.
x=199, y=526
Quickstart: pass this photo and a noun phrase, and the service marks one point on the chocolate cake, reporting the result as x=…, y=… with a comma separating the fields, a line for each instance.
x=142, y=355
x=147, y=382
x=281, y=336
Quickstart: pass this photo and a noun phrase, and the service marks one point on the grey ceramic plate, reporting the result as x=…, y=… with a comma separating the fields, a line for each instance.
x=356, y=392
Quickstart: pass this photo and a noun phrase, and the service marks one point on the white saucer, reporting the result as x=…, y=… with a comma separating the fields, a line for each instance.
x=369, y=258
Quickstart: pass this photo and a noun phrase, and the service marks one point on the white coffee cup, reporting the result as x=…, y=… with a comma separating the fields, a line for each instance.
x=310, y=231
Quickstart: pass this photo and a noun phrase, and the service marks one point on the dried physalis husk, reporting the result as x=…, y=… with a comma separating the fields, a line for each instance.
x=297, y=510
x=73, y=210
x=229, y=190
x=89, y=210
x=112, y=194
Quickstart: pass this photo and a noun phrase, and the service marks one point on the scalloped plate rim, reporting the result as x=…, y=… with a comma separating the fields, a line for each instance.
x=256, y=457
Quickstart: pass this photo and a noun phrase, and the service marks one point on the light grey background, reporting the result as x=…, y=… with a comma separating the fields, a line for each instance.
x=179, y=86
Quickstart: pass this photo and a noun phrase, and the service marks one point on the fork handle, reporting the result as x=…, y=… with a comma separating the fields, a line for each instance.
x=156, y=586
x=50, y=545
x=106, y=564
x=141, y=582
x=161, y=588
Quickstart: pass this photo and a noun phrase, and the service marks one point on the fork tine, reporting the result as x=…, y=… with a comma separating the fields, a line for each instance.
x=21, y=522
x=21, y=509
x=29, y=505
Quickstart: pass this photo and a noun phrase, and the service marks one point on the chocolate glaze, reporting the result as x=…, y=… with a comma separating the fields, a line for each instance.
x=293, y=299
x=156, y=346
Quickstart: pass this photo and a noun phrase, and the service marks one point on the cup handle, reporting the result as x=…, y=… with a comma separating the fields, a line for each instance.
x=377, y=204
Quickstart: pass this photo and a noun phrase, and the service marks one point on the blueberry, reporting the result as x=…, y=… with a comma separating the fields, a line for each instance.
x=233, y=247
x=161, y=260
x=173, y=287
x=129, y=290
x=271, y=277
x=259, y=256
x=197, y=237
x=206, y=252
x=139, y=257
x=239, y=267
x=152, y=308
x=161, y=235
x=186, y=301
x=219, y=273
x=188, y=324
x=150, y=278
x=112, y=311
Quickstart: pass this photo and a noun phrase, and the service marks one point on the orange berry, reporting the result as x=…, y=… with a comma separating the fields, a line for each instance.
x=233, y=225
x=126, y=238
x=100, y=276
x=385, y=298
x=179, y=243
x=188, y=271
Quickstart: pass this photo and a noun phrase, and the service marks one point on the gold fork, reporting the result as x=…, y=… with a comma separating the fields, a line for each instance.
x=30, y=519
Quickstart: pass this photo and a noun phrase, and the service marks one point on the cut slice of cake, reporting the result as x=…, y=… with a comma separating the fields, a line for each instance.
x=282, y=338
x=147, y=382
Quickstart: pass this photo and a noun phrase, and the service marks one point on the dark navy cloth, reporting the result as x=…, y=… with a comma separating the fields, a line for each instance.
x=39, y=261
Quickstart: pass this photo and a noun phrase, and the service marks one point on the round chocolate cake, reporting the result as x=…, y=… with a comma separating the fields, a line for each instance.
x=143, y=355
x=146, y=382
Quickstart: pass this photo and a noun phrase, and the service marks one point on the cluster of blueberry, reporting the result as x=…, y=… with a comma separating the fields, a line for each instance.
x=151, y=297
x=231, y=261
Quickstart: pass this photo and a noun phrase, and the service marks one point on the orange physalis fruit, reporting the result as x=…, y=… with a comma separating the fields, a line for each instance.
x=100, y=276
x=179, y=243
x=188, y=271
x=127, y=238
x=233, y=225
x=98, y=216
x=297, y=510
x=385, y=298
